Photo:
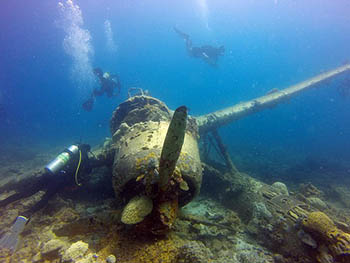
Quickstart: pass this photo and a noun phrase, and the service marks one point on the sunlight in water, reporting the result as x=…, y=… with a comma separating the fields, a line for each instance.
x=77, y=44
x=204, y=12
x=111, y=46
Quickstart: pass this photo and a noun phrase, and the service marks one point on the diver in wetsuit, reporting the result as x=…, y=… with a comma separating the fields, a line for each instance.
x=208, y=53
x=108, y=83
x=63, y=171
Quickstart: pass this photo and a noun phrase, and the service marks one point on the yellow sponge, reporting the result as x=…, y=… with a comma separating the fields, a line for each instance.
x=136, y=210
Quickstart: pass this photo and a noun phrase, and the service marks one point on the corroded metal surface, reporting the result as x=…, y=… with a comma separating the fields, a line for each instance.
x=138, y=143
x=285, y=205
x=219, y=118
x=173, y=142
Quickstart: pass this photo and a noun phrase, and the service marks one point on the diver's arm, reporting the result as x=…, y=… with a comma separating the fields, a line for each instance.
x=97, y=92
x=98, y=73
x=114, y=76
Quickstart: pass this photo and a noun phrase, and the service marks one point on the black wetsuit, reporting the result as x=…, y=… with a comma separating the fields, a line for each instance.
x=107, y=85
x=50, y=183
x=208, y=53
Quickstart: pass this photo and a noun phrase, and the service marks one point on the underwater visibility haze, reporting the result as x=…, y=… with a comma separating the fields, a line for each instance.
x=112, y=149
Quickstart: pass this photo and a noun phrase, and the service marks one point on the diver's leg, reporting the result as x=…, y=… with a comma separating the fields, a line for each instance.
x=181, y=34
x=109, y=92
x=52, y=189
x=89, y=104
x=24, y=193
x=187, y=39
x=97, y=92
x=15, y=197
x=10, y=239
x=189, y=46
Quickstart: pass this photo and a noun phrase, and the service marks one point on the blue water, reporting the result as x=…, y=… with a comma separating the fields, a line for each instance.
x=269, y=44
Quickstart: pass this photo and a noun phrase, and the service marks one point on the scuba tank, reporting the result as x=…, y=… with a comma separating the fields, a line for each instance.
x=63, y=159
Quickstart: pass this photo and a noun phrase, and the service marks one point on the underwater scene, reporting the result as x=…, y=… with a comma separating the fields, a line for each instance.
x=186, y=131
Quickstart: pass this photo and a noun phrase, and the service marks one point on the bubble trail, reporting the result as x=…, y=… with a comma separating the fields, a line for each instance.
x=111, y=46
x=77, y=44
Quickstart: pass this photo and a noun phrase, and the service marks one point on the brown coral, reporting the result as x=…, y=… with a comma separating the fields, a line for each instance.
x=131, y=247
x=340, y=245
x=325, y=231
x=319, y=223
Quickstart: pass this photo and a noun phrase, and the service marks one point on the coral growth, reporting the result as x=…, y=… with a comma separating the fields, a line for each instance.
x=280, y=188
x=194, y=252
x=136, y=210
x=309, y=190
x=330, y=238
x=319, y=223
x=130, y=247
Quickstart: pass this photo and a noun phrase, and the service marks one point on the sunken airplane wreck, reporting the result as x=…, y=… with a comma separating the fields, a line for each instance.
x=156, y=165
x=145, y=148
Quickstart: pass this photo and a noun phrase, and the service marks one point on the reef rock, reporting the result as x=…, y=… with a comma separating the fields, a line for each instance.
x=280, y=188
x=194, y=252
x=309, y=190
x=317, y=203
x=249, y=253
x=52, y=247
x=260, y=211
x=76, y=251
x=111, y=259
x=342, y=194
x=307, y=239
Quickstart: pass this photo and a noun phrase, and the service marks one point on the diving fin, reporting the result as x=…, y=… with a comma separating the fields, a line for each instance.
x=182, y=34
x=10, y=240
x=88, y=104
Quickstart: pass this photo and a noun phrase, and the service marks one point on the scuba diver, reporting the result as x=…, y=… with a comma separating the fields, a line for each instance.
x=109, y=82
x=208, y=53
x=61, y=172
